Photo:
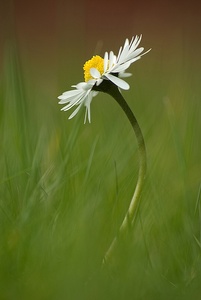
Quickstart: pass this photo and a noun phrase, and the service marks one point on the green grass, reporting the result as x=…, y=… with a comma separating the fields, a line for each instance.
x=65, y=188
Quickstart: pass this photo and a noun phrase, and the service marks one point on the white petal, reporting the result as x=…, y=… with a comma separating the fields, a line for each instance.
x=124, y=75
x=123, y=54
x=126, y=43
x=111, y=59
x=105, y=61
x=98, y=82
x=64, y=99
x=130, y=51
x=118, y=81
x=80, y=86
x=134, y=59
x=94, y=93
x=146, y=52
x=74, y=101
x=90, y=84
x=85, y=86
x=87, y=104
x=95, y=73
x=88, y=111
x=136, y=52
x=135, y=42
x=75, y=112
x=69, y=94
x=71, y=99
x=120, y=49
x=121, y=67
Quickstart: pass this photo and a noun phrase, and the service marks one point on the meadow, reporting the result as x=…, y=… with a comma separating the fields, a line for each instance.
x=65, y=188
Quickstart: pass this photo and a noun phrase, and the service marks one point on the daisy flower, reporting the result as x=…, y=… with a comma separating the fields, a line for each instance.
x=98, y=69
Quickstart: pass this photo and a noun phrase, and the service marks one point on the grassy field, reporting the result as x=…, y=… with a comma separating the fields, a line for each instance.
x=65, y=188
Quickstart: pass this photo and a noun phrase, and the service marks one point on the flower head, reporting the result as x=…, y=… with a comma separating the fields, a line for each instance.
x=97, y=69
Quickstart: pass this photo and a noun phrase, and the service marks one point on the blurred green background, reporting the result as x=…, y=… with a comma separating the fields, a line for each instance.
x=65, y=186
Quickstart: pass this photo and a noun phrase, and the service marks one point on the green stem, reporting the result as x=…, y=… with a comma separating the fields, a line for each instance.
x=113, y=90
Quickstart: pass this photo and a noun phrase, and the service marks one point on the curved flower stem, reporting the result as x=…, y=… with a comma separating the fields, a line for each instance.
x=111, y=89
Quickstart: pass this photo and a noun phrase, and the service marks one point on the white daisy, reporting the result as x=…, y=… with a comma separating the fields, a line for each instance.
x=96, y=70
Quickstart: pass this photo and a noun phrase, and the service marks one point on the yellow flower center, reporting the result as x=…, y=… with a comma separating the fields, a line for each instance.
x=95, y=62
